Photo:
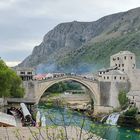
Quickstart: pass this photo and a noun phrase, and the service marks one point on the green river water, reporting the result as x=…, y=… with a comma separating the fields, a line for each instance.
x=62, y=116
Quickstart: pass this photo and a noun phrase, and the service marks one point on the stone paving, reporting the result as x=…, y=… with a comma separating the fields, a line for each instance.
x=33, y=133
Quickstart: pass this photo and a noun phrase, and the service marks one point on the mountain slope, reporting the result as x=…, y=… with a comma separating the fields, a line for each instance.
x=86, y=46
x=97, y=55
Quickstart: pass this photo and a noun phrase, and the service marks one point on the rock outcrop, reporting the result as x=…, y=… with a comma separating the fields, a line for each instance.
x=71, y=45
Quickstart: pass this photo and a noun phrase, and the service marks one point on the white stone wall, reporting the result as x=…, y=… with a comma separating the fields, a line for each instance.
x=25, y=72
x=134, y=78
x=113, y=78
x=124, y=61
x=114, y=96
x=102, y=109
x=136, y=100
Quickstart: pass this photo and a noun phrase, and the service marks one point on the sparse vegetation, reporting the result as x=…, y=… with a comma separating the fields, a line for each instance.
x=97, y=55
x=123, y=100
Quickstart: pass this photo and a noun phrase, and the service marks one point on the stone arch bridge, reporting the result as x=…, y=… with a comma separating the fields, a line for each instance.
x=35, y=89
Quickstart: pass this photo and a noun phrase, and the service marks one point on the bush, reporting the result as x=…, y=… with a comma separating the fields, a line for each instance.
x=123, y=100
x=131, y=112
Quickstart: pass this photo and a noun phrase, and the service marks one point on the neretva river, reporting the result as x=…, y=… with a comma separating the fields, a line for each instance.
x=63, y=116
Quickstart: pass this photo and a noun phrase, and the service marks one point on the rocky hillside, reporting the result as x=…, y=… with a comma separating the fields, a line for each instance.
x=87, y=46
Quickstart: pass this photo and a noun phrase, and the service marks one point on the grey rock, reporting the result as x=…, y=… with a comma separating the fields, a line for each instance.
x=67, y=38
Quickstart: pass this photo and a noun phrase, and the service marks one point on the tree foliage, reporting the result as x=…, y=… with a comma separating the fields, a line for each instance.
x=123, y=100
x=63, y=86
x=10, y=83
x=131, y=112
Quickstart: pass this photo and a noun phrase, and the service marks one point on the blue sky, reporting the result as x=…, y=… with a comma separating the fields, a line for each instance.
x=23, y=23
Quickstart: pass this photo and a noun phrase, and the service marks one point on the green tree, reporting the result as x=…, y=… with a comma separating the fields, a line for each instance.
x=63, y=86
x=123, y=100
x=10, y=83
x=131, y=112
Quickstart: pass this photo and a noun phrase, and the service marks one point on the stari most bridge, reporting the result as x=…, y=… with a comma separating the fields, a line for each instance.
x=35, y=89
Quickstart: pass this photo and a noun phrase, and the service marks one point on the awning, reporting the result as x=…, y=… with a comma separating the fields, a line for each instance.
x=25, y=110
x=7, y=120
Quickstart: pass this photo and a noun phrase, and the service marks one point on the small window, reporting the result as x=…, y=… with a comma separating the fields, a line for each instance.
x=22, y=72
x=100, y=72
x=120, y=78
x=115, y=64
x=134, y=65
x=123, y=78
x=107, y=77
x=115, y=78
x=122, y=69
x=125, y=57
x=29, y=72
x=122, y=65
x=131, y=57
x=114, y=59
x=104, y=77
x=118, y=58
x=119, y=65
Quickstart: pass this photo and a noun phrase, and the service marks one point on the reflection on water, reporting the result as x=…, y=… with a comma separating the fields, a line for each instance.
x=60, y=116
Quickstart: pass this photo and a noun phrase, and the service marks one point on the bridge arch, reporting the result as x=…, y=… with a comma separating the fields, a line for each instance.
x=89, y=84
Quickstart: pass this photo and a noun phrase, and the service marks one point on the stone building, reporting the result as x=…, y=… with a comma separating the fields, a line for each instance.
x=113, y=76
x=124, y=61
x=25, y=73
x=122, y=72
x=134, y=96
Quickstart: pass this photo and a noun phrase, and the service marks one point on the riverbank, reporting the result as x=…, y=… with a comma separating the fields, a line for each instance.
x=72, y=101
x=51, y=133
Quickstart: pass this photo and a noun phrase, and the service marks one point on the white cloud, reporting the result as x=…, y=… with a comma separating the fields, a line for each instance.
x=73, y=9
x=12, y=63
x=25, y=44
x=17, y=50
x=5, y=4
x=24, y=22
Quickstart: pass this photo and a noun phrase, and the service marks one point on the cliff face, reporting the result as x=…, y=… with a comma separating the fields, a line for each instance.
x=75, y=46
